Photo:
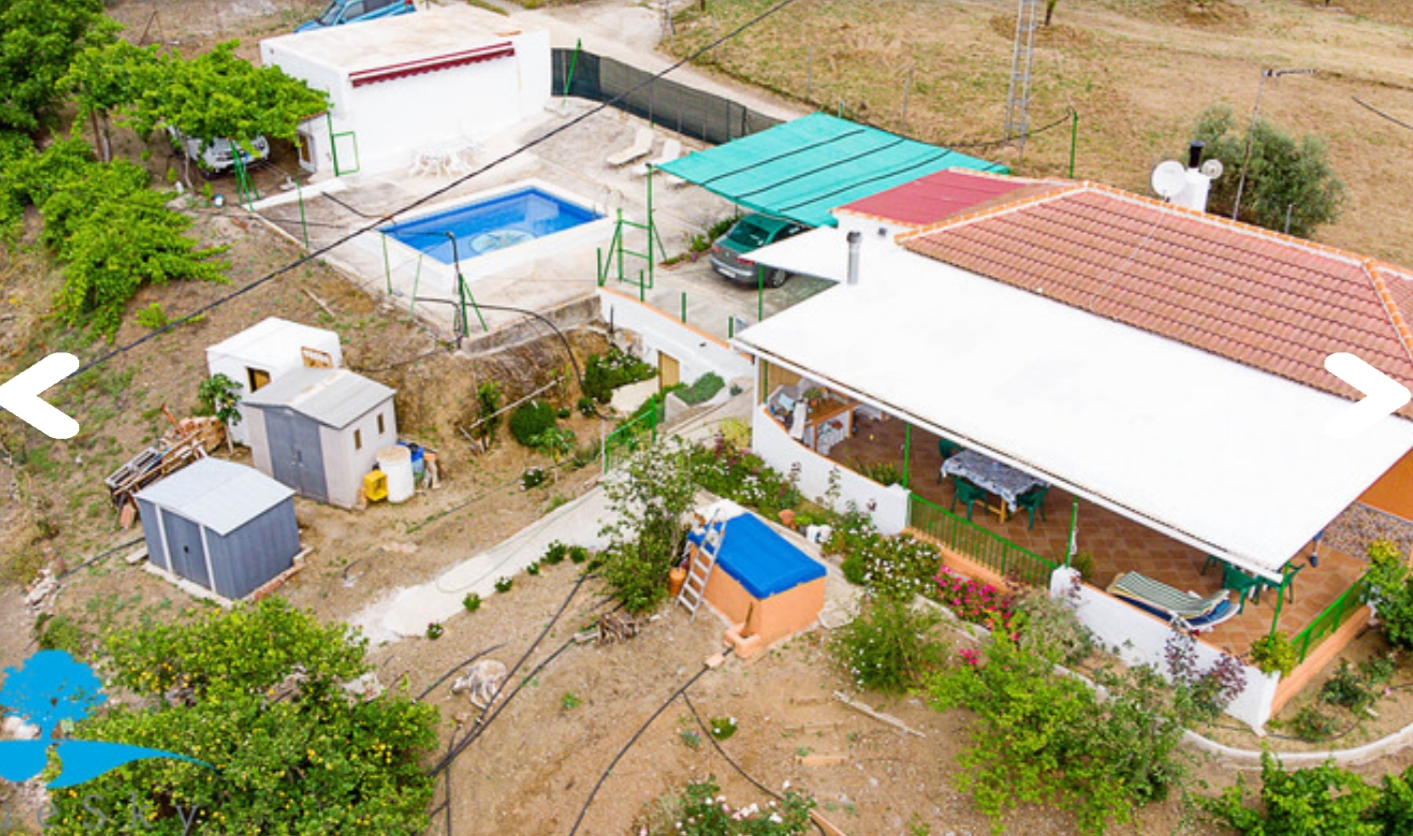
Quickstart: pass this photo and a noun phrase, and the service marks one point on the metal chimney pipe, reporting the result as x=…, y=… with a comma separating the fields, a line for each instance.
x=1194, y=153
x=854, y=238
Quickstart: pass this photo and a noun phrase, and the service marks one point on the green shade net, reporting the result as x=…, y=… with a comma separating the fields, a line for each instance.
x=802, y=169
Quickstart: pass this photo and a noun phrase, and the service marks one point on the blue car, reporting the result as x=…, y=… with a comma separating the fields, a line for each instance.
x=339, y=12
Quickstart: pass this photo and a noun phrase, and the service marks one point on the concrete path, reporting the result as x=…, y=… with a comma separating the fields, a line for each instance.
x=407, y=611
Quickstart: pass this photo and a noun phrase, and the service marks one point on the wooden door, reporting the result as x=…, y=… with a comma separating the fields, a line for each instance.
x=669, y=371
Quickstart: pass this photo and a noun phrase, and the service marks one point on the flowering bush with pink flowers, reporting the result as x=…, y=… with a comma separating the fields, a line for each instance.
x=702, y=810
x=979, y=603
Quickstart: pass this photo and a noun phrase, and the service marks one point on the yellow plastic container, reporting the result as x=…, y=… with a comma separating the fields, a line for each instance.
x=375, y=485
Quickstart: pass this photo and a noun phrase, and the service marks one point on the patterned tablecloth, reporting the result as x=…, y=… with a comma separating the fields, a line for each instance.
x=1001, y=479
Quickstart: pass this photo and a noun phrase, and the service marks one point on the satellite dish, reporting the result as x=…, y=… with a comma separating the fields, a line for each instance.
x=1212, y=169
x=1169, y=178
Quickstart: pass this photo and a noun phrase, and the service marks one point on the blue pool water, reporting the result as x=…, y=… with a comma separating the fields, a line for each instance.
x=491, y=224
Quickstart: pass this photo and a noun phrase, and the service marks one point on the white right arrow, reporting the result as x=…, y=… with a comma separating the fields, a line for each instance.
x=1383, y=395
x=20, y=395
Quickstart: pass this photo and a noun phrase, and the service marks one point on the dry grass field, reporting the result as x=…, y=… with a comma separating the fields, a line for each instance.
x=1137, y=72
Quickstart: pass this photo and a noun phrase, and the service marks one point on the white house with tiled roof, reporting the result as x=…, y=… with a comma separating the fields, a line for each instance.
x=1161, y=366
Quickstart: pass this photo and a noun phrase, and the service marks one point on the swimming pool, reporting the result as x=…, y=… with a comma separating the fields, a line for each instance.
x=491, y=224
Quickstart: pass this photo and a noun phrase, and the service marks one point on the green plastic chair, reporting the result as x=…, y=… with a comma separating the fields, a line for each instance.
x=1288, y=573
x=1033, y=500
x=947, y=449
x=1240, y=583
x=1212, y=560
x=967, y=493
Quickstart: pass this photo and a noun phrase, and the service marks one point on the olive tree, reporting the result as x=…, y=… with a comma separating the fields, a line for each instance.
x=1289, y=184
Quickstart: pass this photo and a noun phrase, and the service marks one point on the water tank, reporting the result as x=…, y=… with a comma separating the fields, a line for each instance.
x=396, y=462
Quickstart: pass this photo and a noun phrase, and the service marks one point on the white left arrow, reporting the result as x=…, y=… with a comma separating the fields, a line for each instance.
x=20, y=395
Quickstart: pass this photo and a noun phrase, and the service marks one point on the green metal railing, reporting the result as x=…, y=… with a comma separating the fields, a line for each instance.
x=967, y=538
x=1334, y=615
x=632, y=436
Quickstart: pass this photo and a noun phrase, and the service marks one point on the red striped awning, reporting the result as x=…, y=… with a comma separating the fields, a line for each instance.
x=432, y=65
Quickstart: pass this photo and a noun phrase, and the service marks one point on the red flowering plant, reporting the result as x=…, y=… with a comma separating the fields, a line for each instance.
x=979, y=603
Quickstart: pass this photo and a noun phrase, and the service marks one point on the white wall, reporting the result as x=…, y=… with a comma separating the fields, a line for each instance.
x=697, y=352
x=1139, y=638
x=780, y=451
x=278, y=354
x=344, y=466
x=394, y=120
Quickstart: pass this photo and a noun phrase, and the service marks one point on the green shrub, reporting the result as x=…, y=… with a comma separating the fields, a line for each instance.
x=504, y=584
x=887, y=647
x=533, y=477
x=606, y=372
x=1312, y=725
x=703, y=389
x=722, y=728
x=59, y=632
x=1083, y=563
x=578, y=554
x=884, y=473
x=435, y=630
x=533, y=569
x=1274, y=652
x=488, y=401
x=586, y=406
x=1044, y=737
x=531, y=420
x=570, y=701
x=701, y=810
x=152, y=317
x=471, y=602
x=555, y=553
x=1394, y=809
x=1347, y=689
x=1391, y=592
x=1043, y=621
x=1324, y=801
x=556, y=442
x=563, y=413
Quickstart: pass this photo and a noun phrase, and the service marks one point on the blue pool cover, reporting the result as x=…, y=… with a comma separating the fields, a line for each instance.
x=491, y=224
x=761, y=560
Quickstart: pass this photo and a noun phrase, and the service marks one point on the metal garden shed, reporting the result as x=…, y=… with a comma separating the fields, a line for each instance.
x=223, y=526
x=319, y=431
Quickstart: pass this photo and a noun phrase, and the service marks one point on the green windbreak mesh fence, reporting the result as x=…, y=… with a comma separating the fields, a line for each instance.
x=804, y=168
x=676, y=107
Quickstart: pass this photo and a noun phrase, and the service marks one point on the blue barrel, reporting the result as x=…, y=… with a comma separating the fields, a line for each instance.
x=419, y=463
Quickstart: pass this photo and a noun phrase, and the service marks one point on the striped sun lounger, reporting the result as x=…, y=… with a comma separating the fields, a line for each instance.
x=1141, y=590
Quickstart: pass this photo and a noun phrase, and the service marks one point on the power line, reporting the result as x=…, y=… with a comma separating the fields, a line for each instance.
x=435, y=193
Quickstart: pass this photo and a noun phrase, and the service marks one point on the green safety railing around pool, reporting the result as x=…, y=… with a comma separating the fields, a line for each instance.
x=1333, y=616
x=971, y=540
x=632, y=436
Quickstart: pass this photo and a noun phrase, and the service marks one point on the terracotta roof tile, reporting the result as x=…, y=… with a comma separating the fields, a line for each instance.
x=1257, y=297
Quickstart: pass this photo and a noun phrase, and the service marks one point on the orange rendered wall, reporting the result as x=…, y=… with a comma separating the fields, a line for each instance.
x=1393, y=492
x=771, y=619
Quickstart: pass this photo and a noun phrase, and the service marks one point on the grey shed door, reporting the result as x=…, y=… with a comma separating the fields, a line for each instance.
x=295, y=454
x=184, y=549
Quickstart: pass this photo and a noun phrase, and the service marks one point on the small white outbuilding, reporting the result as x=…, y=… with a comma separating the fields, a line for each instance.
x=417, y=86
x=265, y=352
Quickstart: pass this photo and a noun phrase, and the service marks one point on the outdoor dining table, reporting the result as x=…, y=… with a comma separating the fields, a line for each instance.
x=1000, y=479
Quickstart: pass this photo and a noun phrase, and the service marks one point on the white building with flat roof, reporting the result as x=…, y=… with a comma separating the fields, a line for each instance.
x=427, y=85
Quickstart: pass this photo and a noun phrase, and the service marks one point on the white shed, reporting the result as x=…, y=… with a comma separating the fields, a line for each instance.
x=319, y=431
x=267, y=350
x=434, y=82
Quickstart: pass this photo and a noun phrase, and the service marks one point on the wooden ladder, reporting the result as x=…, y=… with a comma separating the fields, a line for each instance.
x=699, y=570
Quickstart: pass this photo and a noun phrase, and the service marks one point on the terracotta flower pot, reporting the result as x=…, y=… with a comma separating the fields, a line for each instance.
x=675, y=578
x=787, y=518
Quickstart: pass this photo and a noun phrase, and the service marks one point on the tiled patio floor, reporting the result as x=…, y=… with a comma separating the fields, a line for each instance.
x=1117, y=543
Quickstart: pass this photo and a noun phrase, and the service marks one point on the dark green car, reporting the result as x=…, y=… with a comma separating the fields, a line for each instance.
x=728, y=253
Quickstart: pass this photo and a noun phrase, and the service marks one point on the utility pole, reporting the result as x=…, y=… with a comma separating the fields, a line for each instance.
x=1256, y=109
